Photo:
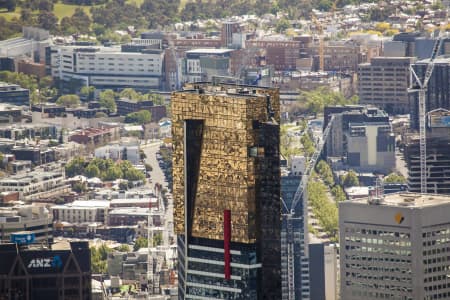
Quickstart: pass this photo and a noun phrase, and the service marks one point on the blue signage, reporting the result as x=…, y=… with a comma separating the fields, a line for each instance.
x=23, y=238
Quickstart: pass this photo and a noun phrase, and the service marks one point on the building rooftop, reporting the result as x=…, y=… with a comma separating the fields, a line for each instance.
x=413, y=200
x=209, y=51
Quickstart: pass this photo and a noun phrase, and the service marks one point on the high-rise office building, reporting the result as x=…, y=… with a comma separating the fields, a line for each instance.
x=226, y=189
x=384, y=83
x=396, y=247
x=438, y=91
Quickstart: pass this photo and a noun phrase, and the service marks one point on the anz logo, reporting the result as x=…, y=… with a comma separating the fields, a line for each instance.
x=50, y=262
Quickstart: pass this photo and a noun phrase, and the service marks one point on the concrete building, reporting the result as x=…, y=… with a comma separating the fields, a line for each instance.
x=81, y=211
x=395, y=247
x=126, y=106
x=14, y=94
x=10, y=114
x=384, y=83
x=119, y=152
x=35, y=184
x=62, y=272
x=202, y=64
x=106, y=67
x=363, y=135
x=94, y=137
x=226, y=190
x=323, y=265
x=31, y=44
x=30, y=218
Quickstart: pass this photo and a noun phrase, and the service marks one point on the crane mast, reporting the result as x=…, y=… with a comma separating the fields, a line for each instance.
x=420, y=87
x=290, y=213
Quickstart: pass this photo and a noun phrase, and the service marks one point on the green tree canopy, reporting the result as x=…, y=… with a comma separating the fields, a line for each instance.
x=140, y=242
x=395, y=178
x=350, y=179
x=75, y=167
x=107, y=100
x=317, y=99
x=131, y=94
x=69, y=101
x=141, y=117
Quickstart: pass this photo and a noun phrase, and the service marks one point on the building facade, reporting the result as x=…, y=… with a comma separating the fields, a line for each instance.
x=35, y=219
x=14, y=94
x=438, y=92
x=438, y=156
x=395, y=248
x=384, y=83
x=226, y=183
x=106, y=67
x=35, y=273
x=363, y=135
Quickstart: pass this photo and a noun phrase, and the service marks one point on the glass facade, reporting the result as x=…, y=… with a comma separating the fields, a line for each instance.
x=226, y=157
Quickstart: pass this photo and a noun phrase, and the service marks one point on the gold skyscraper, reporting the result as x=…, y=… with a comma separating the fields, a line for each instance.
x=226, y=188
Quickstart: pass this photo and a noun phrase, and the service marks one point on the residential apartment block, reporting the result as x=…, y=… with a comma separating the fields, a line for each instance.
x=395, y=247
x=384, y=83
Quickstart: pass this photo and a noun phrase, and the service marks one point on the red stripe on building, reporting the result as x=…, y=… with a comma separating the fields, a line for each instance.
x=226, y=242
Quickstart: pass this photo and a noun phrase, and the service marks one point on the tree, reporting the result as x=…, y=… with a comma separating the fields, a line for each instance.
x=87, y=92
x=338, y=193
x=113, y=173
x=92, y=171
x=141, y=117
x=325, y=172
x=317, y=99
x=395, y=178
x=140, y=242
x=98, y=259
x=26, y=16
x=75, y=167
x=282, y=25
x=131, y=94
x=79, y=187
x=107, y=100
x=123, y=248
x=47, y=20
x=70, y=100
x=157, y=239
x=81, y=21
x=350, y=179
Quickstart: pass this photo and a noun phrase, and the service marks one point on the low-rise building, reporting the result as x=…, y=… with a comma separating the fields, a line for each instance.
x=81, y=211
x=14, y=94
x=32, y=218
x=119, y=152
x=94, y=137
x=363, y=135
x=35, y=184
x=132, y=215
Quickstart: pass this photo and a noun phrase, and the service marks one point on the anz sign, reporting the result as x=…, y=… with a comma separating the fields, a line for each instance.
x=50, y=262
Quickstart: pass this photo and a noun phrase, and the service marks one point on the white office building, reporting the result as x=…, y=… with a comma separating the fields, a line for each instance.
x=396, y=247
x=107, y=67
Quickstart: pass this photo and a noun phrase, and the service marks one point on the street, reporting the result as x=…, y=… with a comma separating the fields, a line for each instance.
x=157, y=176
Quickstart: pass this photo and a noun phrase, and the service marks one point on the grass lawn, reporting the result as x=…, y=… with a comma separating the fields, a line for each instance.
x=136, y=2
x=62, y=10
x=9, y=15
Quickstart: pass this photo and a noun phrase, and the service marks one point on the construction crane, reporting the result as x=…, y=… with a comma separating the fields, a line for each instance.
x=321, y=46
x=290, y=215
x=420, y=87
